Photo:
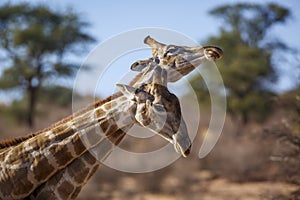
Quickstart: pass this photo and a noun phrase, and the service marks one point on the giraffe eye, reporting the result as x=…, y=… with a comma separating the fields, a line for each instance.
x=171, y=50
x=158, y=107
x=156, y=60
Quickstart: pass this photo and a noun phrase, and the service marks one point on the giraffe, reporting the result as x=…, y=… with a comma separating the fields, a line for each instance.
x=37, y=159
x=181, y=62
x=81, y=169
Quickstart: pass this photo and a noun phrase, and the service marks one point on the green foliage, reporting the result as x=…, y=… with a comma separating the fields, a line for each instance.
x=58, y=95
x=290, y=101
x=252, y=20
x=34, y=40
x=247, y=63
x=14, y=114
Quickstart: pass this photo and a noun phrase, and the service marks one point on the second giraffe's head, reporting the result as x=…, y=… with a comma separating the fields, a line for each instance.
x=178, y=60
x=159, y=110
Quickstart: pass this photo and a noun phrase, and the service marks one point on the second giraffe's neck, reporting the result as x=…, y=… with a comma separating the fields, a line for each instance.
x=32, y=162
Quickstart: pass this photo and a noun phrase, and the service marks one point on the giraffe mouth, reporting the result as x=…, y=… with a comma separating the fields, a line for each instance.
x=213, y=53
x=198, y=55
x=181, y=140
x=182, y=148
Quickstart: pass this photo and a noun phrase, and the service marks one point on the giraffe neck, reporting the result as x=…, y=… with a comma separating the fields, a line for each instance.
x=32, y=162
x=69, y=181
x=66, y=136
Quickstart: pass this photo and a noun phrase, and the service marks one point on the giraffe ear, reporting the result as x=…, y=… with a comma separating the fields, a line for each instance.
x=127, y=90
x=140, y=65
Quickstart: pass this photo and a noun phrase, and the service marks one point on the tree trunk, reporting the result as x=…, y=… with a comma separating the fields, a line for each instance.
x=32, y=92
x=244, y=118
x=240, y=123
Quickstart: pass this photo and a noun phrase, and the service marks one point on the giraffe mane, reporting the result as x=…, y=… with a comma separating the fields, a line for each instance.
x=14, y=141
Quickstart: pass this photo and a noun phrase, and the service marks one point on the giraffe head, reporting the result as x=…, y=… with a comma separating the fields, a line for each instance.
x=178, y=60
x=159, y=110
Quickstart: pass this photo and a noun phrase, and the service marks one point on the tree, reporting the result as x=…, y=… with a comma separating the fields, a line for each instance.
x=34, y=41
x=247, y=65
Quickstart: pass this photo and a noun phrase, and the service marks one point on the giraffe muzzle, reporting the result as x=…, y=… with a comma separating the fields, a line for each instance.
x=181, y=140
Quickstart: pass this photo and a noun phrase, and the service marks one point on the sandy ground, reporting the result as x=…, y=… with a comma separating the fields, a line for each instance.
x=201, y=186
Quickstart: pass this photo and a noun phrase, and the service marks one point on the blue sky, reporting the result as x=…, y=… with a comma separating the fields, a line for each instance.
x=109, y=18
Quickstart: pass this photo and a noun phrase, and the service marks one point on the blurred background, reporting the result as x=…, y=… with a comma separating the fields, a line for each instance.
x=44, y=43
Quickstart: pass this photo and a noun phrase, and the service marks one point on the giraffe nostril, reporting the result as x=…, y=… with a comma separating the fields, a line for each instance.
x=187, y=152
x=173, y=66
